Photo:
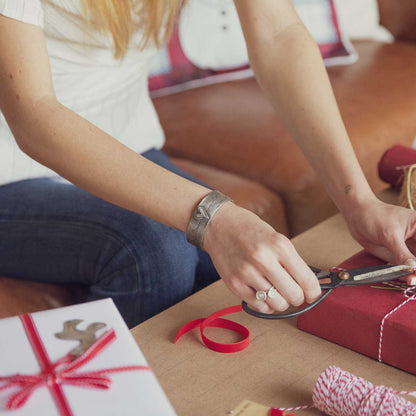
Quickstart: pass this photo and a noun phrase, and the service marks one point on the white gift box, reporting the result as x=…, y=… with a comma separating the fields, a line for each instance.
x=134, y=392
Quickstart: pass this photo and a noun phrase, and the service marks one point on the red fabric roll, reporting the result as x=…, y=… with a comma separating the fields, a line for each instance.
x=394, y=158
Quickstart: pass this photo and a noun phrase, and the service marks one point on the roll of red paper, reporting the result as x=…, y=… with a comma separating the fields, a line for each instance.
x=391, y=162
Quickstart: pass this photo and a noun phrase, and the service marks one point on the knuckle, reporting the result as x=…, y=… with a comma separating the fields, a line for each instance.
x=312, y=295
x=281, y=242
x=296, y=298
x=258, y=255
x=389, y=234
x=234, y=284
x=243, y=269
x=266, y=309
x=311, y=285
x=281, y=305
x=402, y=257
x=263, y=308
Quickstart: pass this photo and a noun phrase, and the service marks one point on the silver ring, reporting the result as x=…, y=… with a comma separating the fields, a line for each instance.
x=261, y=295
x=272, y=293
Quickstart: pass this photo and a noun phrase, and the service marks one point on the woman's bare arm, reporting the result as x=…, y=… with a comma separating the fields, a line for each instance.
x=289, y=67
x=67, y=143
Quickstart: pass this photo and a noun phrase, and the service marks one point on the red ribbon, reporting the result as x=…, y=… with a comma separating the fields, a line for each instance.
x=63, y=371
x=278, y=412
x=214, y=320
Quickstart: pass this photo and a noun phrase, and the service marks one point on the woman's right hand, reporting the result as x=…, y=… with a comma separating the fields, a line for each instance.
x=250, y=256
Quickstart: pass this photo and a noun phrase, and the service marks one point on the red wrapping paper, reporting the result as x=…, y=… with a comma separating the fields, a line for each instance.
x=394, y=158
x=351, y=316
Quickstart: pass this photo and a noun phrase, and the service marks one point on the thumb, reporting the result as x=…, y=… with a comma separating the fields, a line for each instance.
x=411, y=279
x=403, y=255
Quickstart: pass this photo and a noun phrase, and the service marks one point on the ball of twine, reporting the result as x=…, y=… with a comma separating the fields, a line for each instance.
x=339, y=393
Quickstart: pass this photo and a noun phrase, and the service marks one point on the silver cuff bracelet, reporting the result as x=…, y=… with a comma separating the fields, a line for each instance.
x=202, y=216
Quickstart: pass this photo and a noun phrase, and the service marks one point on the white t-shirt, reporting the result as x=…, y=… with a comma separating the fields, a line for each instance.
x=111, y=94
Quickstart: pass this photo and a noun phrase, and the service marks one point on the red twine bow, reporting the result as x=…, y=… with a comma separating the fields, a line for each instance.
x=63, y=371
x=214, y=320
x=410, y=295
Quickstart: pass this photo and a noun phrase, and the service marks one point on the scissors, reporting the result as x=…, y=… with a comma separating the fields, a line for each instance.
x=334, y=278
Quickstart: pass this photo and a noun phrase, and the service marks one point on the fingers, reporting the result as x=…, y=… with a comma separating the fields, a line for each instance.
x=267, y=273
x=280, y=266
x=411, y=227
x=278, y=302
x=400, y=251
x=410, y=280
x=250, y=256
x=248, y=294
x=290, y=275
x=303, y=275
x=286, y=286
x=402, y=255
x=248, y=282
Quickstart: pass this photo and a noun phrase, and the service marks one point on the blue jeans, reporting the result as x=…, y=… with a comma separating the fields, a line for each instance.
x=52, y=231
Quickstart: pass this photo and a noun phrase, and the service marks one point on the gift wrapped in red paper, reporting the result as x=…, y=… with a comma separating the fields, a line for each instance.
x=353, y=317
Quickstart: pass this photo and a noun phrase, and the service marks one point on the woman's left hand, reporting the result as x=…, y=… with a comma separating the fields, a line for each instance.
x=383, y=229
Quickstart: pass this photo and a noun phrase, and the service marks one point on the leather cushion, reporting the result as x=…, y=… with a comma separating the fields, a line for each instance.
x=232, y=126
x=399, y=16
x=245, y=192
x=21, y=296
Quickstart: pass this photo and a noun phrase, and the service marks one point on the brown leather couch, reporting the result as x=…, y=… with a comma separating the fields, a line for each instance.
x=228, y=136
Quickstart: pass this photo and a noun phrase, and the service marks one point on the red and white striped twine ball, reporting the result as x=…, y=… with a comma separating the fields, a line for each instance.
x=339, y=393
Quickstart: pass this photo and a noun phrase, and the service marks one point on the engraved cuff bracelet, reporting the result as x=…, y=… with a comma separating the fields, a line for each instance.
x=202, y=216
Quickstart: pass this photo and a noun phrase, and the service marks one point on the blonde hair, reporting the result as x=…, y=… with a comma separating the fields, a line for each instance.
x=121, y=18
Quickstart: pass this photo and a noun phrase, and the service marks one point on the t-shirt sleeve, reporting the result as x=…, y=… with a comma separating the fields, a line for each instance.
x=26, y=11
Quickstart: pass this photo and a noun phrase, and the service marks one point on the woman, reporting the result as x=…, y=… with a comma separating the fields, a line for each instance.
x=73, y=94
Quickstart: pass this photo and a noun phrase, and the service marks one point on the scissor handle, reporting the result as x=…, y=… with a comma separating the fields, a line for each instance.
x=262, y=315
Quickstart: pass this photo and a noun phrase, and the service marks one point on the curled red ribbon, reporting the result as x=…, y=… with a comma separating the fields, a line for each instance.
x=214, y=320
x=63, y=371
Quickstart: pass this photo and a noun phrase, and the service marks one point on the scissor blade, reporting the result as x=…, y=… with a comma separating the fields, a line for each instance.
x=381, y=274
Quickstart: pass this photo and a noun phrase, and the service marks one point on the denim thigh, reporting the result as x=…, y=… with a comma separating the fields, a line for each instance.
x=53, y=231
